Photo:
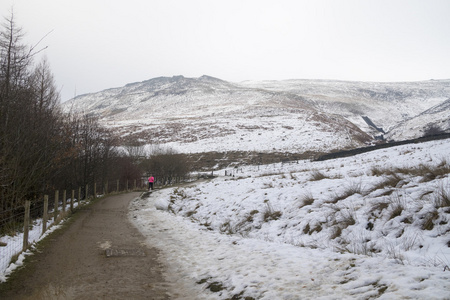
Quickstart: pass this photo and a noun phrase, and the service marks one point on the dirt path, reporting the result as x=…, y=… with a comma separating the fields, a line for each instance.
x=101, y=255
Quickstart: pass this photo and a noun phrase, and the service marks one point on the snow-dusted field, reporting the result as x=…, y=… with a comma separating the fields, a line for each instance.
x=351, y=228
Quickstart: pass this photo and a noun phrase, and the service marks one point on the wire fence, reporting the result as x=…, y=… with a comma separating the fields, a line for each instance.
x=23, y=226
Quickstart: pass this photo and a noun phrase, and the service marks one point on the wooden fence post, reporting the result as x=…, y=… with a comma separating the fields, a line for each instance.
x=71, y=200
x=26, y=222
x=79, y=196
x=134, y=188
x=64, y=201
x=117, y=186
x=95, y=190
x=86, y=196
x=45, y=215
x=55, y=210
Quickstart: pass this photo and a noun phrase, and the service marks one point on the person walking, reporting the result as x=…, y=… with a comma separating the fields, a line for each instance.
x=151, y=180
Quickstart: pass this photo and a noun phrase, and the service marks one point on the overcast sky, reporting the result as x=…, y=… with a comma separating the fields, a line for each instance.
x=95, y=45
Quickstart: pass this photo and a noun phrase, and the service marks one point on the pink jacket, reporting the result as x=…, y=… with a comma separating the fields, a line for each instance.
x=151, y=179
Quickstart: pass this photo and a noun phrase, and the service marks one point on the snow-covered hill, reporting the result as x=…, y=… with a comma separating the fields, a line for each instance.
x=208, y=114
x=372, y=226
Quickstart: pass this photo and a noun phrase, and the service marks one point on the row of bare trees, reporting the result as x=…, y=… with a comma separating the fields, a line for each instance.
x=29, y=122
x=43, y=149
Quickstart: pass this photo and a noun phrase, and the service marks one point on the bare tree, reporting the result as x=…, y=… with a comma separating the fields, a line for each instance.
x=15, y=57
x=29, y=122
x=168, y=166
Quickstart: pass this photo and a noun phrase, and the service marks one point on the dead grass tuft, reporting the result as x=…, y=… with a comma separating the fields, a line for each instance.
x=271, y=214
x=379, y=207
x=442, y=197
x=317, y=175
x=351, y=189
x=306, y=199
x=428, y=220
x=336, y=232
x=398, y=205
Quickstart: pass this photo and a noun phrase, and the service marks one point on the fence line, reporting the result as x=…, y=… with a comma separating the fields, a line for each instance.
x=22, y=226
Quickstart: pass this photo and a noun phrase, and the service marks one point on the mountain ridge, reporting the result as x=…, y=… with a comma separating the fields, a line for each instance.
x=210, y=114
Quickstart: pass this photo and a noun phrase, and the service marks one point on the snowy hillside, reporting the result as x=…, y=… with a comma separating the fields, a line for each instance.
x=386, y=104
x=372, y=226
x=438, y=116
x=208, y=114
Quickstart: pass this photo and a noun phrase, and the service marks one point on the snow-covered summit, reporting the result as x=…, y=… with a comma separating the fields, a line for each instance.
x=209, y=114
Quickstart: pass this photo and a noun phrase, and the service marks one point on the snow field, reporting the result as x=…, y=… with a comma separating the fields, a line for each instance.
x=311, y=230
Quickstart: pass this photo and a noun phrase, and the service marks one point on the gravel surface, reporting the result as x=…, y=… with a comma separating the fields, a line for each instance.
x=98, y=255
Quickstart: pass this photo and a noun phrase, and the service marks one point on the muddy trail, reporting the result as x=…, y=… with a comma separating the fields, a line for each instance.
x=98, y=254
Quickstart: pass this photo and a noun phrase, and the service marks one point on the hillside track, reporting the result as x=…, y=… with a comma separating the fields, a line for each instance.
x=99, y=255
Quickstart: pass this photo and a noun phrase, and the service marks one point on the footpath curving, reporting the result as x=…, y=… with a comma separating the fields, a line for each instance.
x=98, y=255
